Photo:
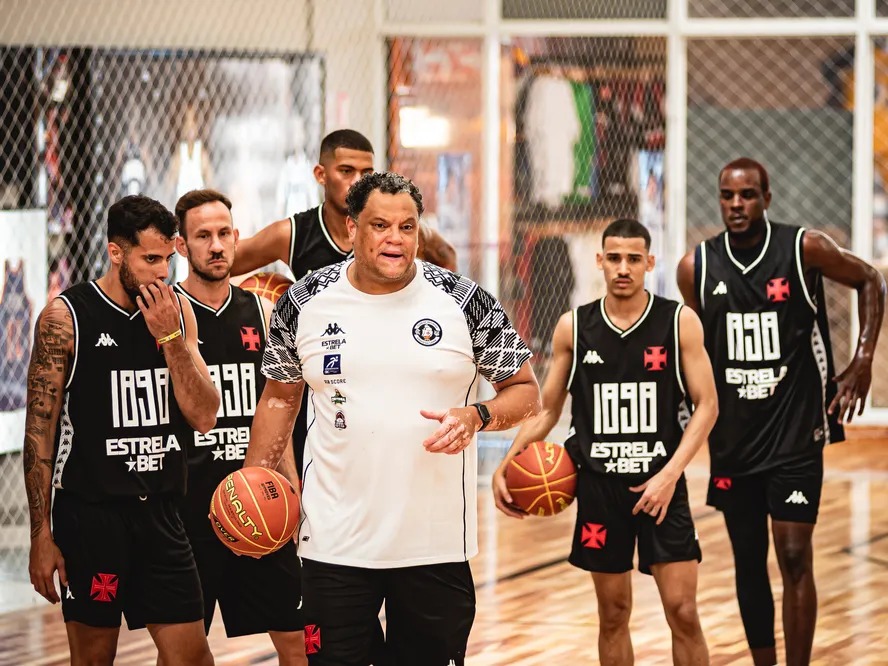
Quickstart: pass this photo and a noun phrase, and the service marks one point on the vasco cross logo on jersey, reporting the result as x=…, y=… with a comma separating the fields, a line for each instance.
x=655, y=358
x=427, y=332
x=333, y=329
x=778, y=290
x=104, y=587
x=250, y=338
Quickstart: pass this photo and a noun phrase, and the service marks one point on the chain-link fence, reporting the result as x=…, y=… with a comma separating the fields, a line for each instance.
x=102, y=99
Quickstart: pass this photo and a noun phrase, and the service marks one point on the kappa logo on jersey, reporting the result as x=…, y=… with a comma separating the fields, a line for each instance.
x=339, y=421
x=427, y=332
x=778, y=290
x=104, y=587
x=338, y=398
x=250, y=338
x=332, y=364
x=796, y=497
x=721, y=289
x=592, y=356
x=722, y=482
x=655, y=358
x=105, y=340
x=312, y=639
x=333, y=329
x=593, y=536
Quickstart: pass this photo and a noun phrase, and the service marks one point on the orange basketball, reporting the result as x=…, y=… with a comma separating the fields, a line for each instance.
x=542, y=479
x=268, y=285
x=254, y=511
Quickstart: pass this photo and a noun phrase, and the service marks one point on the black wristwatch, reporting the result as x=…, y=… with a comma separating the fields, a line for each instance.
x=484, y=413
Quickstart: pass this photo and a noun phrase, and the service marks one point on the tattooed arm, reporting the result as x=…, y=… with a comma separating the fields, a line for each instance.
x=47, y=371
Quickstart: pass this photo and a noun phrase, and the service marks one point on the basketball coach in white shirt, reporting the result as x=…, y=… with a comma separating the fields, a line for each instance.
x=391, y=350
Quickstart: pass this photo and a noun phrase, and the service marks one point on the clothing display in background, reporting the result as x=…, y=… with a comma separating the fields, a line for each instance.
x=652, y=213
x=552, y=281
x=15, y=331
x=552, y=128
x=578, y=128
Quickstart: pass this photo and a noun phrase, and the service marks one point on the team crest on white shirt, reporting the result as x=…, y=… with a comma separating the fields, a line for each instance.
x=339, y=421
x=427, y=332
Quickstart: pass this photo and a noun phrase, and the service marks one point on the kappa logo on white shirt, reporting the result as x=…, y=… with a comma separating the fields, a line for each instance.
x=721, y=289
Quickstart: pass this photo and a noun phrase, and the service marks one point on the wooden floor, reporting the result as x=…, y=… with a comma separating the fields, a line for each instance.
x=536, y=610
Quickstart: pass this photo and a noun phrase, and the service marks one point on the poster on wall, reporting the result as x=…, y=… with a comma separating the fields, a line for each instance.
x=23, y=286
x=652, y=213
x=454, y=212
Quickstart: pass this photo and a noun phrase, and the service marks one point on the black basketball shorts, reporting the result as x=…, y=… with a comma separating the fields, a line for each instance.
x=789, y=492
x=128, y=556
x=606, y=532
x=429, y=612
x=254, y=595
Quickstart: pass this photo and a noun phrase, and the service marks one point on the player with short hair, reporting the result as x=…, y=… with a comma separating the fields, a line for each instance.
x=254, y=595
x=391, y=350
x=758, y=288
x=116, y=386
x=318, y=237
x=630, y=361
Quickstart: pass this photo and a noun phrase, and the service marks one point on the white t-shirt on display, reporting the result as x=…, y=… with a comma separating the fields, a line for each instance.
x=372, y=495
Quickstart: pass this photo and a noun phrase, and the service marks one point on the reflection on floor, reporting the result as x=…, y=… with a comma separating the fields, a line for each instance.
x=536, y=610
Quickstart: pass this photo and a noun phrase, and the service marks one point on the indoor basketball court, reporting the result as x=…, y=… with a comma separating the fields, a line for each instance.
x=528, y=126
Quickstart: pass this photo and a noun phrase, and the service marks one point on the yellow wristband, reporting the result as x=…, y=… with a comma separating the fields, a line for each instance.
x=172, y=336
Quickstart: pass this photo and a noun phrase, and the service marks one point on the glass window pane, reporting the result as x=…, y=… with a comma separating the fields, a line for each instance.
x=583, y=9
x=767, y=8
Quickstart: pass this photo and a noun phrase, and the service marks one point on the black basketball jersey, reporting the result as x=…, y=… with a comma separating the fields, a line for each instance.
x=15, y=331
x=628, y=411
x=767, y=335
x=231, y=341
x=311, y=246
x=120, y=431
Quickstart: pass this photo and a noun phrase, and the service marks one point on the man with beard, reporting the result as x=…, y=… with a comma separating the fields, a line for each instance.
x=254, y=595
x=758, y=288
x=116, y=386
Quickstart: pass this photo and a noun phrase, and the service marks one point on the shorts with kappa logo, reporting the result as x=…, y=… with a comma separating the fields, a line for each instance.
x=125, y=556
x=606, y=531
x=789, y=492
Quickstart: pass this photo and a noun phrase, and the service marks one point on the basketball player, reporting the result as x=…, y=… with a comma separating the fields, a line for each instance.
x=255, y=595
x=758, y=288
x=319, y=236
x=629, y=361
x=391, y=349
x=116, y=386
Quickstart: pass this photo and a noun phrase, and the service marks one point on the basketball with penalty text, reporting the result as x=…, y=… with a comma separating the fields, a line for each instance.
x=542, y=479
x=267, y=285
x=254, y=511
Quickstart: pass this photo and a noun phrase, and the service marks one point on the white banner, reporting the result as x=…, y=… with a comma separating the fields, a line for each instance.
x=23, y=288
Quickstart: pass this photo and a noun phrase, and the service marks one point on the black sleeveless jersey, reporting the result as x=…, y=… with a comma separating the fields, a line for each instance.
x=120, y=431
x=767, y=335
x=231, y=341
x=628, y=411
x=311, y=246
x=15, y=331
